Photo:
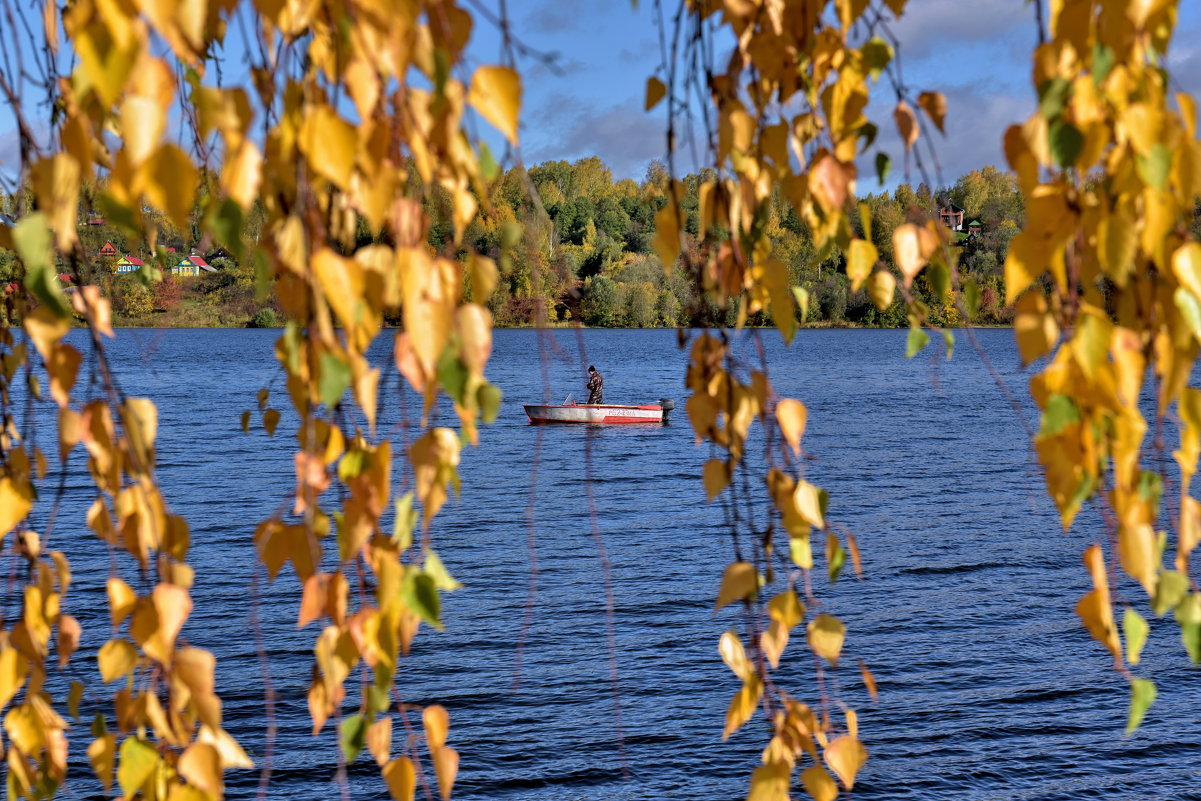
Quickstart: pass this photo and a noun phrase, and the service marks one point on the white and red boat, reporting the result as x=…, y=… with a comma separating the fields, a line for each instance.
x=600, y=412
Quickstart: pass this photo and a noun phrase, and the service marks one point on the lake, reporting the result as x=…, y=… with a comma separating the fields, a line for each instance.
x=989, y=688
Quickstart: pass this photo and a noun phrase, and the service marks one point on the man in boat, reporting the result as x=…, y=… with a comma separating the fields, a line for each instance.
x=596, y=386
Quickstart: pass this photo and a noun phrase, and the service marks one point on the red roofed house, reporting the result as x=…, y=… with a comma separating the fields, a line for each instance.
x=128, y=264
x=191, y=266
x=108, y=249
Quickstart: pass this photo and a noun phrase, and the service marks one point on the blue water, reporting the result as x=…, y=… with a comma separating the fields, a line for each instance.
x=988, y=686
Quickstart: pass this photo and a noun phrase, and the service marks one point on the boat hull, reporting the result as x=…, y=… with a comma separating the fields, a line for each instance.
x=599, y=413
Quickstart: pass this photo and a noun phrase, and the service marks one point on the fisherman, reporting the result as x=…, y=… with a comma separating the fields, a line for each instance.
x=596, y=386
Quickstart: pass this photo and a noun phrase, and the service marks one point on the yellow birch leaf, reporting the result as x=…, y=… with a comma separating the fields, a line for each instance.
x=446, y=768
x=63, y=368
x=882, y=289
x=869, y=681
x=786, y=608
x=474, y=324
x=401, y=778
x=740, y=580
x=139, y=760
x=1186, y=266
x=116, y=659
x=734, y=655
x=818, y=784
x=742, y=706
x=121, y=600
x=911, y=248
x=770, y=782
x=232, y=755
x=935, y=105
x=379, y=740
x=716, y=477
x=140, y=418
x=655, y=91
x=483, y=275
x=845, y=756
x=242, y=174
x=70, y=430
x=15, y=503
x=907, y=125
x=45, y=328
x=1035, y=331
x=861, y=257
x=808, y=502
x=102, y=753
x=173, y=605
x=667, y=236
x=200, y=764
x=329, y=143
x=496, y=94
x=826, y=634
x=1139, y=555
x=69, y=632
x=791, y=415
x=171, y=186
x=13, y=667
x=437, y=725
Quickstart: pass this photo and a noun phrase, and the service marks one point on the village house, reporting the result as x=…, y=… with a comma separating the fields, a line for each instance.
x=128, y=264
x=108, y=250
x=951, y=216
x=192, y=266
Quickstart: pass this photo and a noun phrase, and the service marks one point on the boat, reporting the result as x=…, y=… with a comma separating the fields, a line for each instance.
x=600, y=413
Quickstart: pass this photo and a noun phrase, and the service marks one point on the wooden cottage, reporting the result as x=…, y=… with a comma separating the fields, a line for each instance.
x=191, y=267
x=128, y=264
x=951, y=216
x=108, y=250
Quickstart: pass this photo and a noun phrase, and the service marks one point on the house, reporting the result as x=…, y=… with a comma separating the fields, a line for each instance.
x=974, y=227
x=128, y=264
x=951, y=216
x=108, y=250
x=192, y=266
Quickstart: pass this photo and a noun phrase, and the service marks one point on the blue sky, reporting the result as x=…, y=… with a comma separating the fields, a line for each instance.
x=977, y=52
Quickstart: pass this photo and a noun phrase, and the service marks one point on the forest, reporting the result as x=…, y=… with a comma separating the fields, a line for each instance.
x=574, y=247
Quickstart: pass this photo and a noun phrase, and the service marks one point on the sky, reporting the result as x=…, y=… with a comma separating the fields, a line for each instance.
x=977, y=52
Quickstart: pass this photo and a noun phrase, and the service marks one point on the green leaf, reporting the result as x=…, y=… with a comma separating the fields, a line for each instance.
x=73, y=699
x=420, y=594
x=1066, y=142
x=1190, y=635
x=1060, y=413
x=334, y=379
x=406, y=521
x=883, y=167
x=99, y=726
x=917, y=340
x=1103, y=61
x=877, y=54
x=948, y=338
x=488, y=166
x=971, y=296
x=378, y=699
x=868, y=131
x=437, y=571
x=452, y=375
x=138, y=762
x=1135, y=630
x=836, y=555
x=226, y=221
x=1142, y=695
x=352, y=736
x=488, y=398
x=1053, y=95
x=34, y=243
x=1155, y=168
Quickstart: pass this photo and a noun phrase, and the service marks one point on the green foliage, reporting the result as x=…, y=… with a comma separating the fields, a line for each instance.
x=264, y=318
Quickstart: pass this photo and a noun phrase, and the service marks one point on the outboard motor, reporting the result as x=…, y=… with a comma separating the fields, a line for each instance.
x=668, y=404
